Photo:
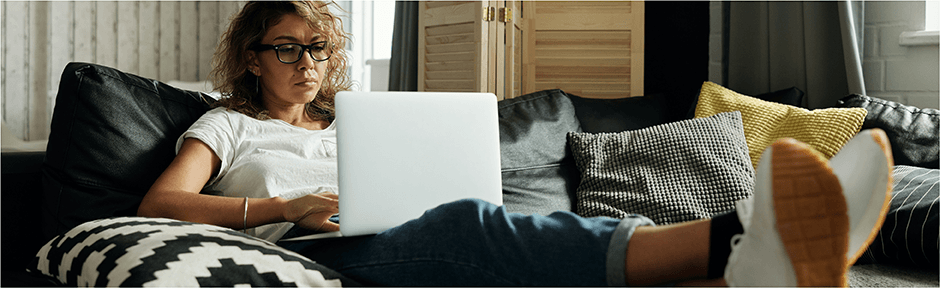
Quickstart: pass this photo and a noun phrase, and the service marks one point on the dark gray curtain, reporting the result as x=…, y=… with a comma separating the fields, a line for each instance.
x=770, y=46
x=403, y=67
x=852, y=19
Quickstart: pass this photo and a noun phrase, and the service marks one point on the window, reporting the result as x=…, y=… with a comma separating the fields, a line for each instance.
x=932, y=16
x=930, y=36
x=371, y=23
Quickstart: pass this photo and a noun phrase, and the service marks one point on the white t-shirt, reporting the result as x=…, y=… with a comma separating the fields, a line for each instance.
x=266, y=158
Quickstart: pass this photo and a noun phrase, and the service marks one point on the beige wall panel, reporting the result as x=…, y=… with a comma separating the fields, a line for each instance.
x=149, y=35
x=189, y=41
x=208, y=36
x=61, y=39
x=106, y=33
x=16, y=67
x=128, y=36
x=38, y=78
x=83, y=41
x=169, y=67
x=164, y=40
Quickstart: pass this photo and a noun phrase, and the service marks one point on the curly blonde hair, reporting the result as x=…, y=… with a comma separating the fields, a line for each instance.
x=230, y=63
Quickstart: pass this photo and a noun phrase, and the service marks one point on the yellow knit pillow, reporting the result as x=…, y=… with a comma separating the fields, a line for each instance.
x=826, y=130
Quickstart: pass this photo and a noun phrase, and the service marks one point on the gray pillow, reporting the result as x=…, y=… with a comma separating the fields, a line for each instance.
x=538, y=172
x=670, y=173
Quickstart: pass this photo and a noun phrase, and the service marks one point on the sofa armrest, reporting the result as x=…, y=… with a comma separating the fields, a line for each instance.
x=21, y=202
x=22, y=162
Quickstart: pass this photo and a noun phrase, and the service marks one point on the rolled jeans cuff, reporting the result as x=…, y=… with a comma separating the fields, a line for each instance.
x=617, y=250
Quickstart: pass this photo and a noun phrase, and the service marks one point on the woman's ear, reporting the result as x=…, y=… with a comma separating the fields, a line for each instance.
x=254, y=67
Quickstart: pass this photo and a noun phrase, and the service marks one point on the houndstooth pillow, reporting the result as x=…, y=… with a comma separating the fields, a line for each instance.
x=670, y=173
x=154, y=252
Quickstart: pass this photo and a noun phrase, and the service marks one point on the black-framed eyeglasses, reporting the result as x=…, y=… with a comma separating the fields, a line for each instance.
x=290, y=53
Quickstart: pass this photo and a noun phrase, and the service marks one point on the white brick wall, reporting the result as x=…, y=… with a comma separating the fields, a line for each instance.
x=906, y=74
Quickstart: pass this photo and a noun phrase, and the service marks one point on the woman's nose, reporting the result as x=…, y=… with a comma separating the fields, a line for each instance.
x=306, y=61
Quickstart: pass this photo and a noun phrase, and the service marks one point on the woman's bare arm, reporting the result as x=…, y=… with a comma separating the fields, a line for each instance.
x=176, y=195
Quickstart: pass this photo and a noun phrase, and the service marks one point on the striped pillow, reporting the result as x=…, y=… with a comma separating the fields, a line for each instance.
x=910, y=232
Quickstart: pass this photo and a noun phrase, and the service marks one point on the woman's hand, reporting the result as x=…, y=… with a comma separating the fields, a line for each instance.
x=314, y=211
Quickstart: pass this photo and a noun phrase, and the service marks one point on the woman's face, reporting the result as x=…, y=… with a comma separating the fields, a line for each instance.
x=288, y=84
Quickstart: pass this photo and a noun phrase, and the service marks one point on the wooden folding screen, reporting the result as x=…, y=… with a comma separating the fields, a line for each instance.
x=510, y=48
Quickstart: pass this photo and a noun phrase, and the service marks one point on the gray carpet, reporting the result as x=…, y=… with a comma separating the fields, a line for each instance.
x=882, y=275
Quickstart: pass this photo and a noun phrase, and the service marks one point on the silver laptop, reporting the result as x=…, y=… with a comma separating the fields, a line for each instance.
x=402, y=153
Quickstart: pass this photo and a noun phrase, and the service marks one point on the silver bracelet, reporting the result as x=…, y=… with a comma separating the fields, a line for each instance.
x=245, y=218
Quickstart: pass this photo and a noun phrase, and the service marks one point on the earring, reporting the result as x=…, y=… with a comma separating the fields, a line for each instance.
x=257, y=85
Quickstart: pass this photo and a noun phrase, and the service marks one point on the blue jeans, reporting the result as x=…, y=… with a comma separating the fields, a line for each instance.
x=475, y=243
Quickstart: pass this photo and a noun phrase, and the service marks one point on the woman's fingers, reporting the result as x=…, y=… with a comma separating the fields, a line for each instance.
x=329, y=227
x=329, y=195
x=314, y=211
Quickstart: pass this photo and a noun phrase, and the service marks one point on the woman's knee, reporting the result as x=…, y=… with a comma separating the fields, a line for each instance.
x=461, y=214
x=469, y=205
x=461, y=209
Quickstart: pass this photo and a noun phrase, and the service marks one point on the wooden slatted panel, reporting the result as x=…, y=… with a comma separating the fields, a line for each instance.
x=516, y=47
x=584, y=15
x=450, y=59
x=589, y=48
x=164, y=40
x=516, y=89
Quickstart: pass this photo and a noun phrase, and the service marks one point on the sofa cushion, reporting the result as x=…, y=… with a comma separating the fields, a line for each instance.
x=914, y=132
x=910, y=234
x=624, y=114
x=538, y=172
x=638, y=112
x=670, y=173
x=790, y=96
x=112, y=135
x=826, y=130
x=156, y=252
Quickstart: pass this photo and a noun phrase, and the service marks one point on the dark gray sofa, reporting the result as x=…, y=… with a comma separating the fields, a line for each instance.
x=113, y=134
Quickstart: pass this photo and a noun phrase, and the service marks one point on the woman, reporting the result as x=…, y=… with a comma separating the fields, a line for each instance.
x=262, y=162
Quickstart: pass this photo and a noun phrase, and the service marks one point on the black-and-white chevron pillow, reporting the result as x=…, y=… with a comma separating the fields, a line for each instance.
x=670, y=173
x=139, y=252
